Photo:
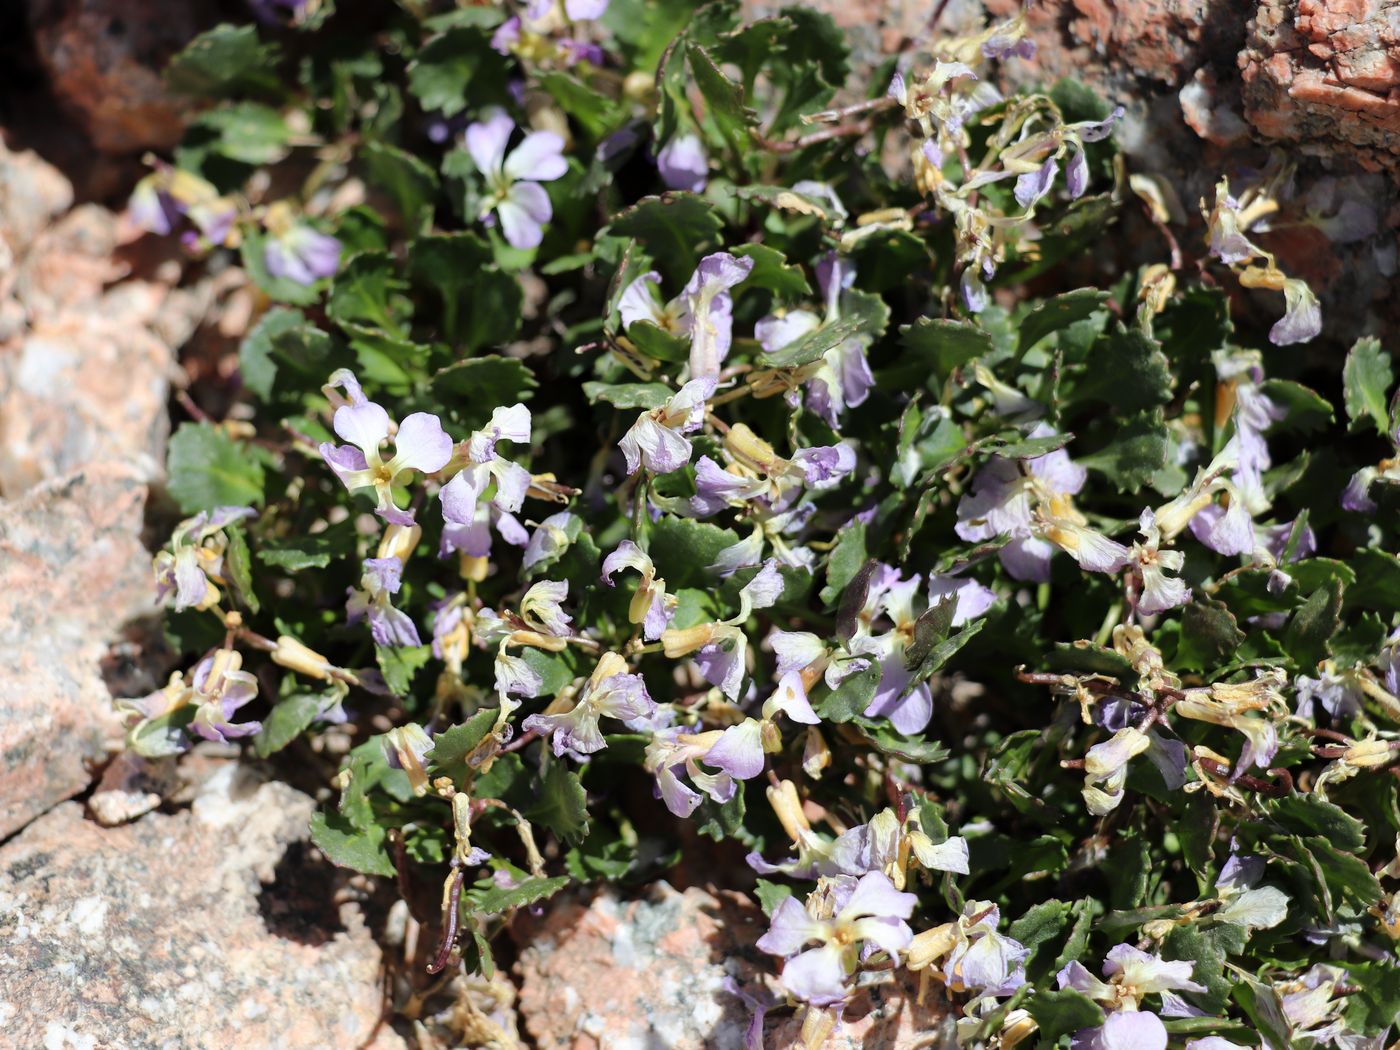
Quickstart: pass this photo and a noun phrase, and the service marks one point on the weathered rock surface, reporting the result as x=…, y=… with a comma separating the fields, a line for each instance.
x=215, y=927
x=86, y=351
x=105, y=60
x=635, y=975
x=72, y=570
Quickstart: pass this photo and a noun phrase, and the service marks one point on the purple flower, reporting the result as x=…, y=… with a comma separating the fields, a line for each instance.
x=908, y=708
x=683, y=165
x=672, y=750
x=514, y=192
x=716, y=488
x=703, y=311
x=978, y=958
x=1129, y=1030
x=825, y=466
x=419, y=444
x=656, y=440
x=195, y=561
x=152, y=208
x=1033, y=185
x=380, y=581
x=301, y=254
x=1225, y=530
x=866, y=916
x=973, y=599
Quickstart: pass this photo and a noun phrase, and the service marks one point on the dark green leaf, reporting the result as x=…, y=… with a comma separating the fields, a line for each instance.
x=209, y=469
x=563, y=804
x=1058, y=313
x=1366, y=379
x=1209, y=635
x=1313, y=625
x=288, y=719
x=346, y=846
x=399, y=664
x=224, y=62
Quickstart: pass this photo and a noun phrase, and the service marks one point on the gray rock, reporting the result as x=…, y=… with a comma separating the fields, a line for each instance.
x=215, y=927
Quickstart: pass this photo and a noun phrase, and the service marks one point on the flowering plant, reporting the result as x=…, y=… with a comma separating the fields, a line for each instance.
x=648, y=432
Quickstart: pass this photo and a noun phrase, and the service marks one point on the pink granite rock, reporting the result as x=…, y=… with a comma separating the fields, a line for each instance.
x=214, y=927
x=72, y=570
x=603, y=973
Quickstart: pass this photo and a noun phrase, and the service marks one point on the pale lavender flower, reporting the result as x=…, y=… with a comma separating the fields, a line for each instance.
x=576, y=732
x=1000, y=503
x=302, y=255
x=1225, y=530
x=380, y=581
x=868, y=915
x=549, y=540
x=1302, y=315
x=1128, y=1030
x=187, y=572
x=1157, y=592
x=151, y=206
x=419, y=444
x=513, y=181
x=973, y=599
x=468, y=513
x=717, y=488
x=657, y=439
x=983, y=961
x=683, y=165
x=908, y=708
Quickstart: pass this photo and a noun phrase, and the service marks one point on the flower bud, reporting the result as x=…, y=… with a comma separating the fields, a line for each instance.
x=399, y=541
x=294, y=656
x=682, y=641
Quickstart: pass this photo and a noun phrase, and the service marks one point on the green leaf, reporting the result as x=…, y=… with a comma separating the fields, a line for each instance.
x=1348, y=876
x=288, y=719
x=225, y=62
x=452, y=746
x=806, y=349
x=1041, y=925
x=1063, y=1012
x=1377, y=583
x=1310, y=814
x=657, y=343
x=399, y=663
x=673, y=228
x=1307, y=410
x=283, y=339
x=209, y=469
x=596, y=113
x=629, y=395
x=772, y=271
x=770, y=895
x=310, y=551
x=1136, y=452
x=933, y=348
x=248, y=132
x=163, y=736
x=563, y=804
x=850, y=699
x=481, y=304
x=1078, y=940
x=684, y=549
x=490, y=898
x=1058, y=313
x=556, y=670
x=845, y=561
x=1087, y=658
x=362, y=290
x=475, y=387
x=724, y=100
x=450, y=63
x=410, y=181
x=1127, y=370
x=346, y=846
x=238, y=567
x=1366, y=379
x=1209, y=635
x=1307, y=634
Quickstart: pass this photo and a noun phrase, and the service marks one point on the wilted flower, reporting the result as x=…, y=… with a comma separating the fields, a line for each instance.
x=609, y=692
x=673, y=750
x=846, y=917
x=217, y=688
x=976, y=958
x=703, y=311
x=1132, y=975
x=651, y=606
x=189, y=571
x=514, y=192
x=1106, y=769
x=657, y=439
x=1157, y=592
